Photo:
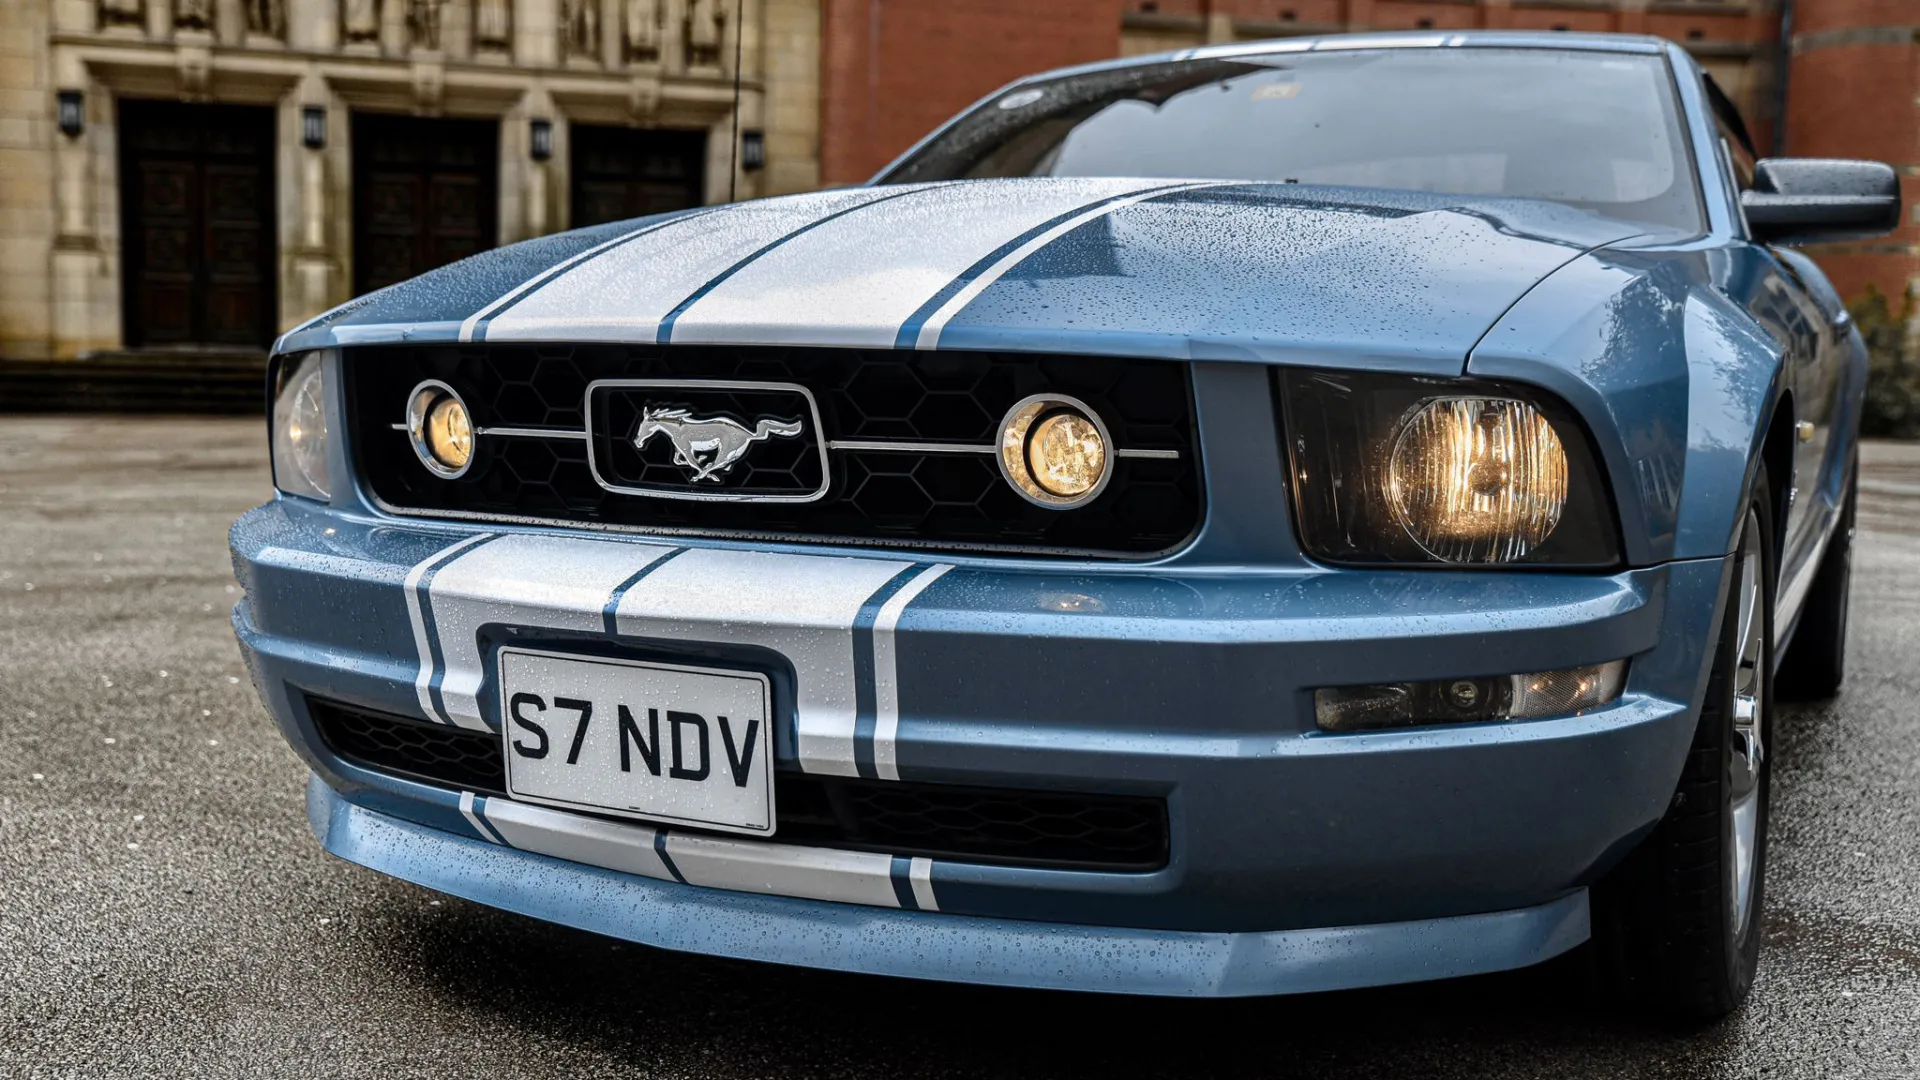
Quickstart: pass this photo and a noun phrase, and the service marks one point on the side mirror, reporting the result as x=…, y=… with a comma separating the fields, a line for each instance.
x=1816, y=200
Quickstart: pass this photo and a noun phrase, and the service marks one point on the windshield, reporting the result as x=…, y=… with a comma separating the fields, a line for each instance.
x=1594, y=130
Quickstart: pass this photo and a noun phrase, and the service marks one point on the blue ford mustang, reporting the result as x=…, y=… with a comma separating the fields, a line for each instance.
x=1268, y=518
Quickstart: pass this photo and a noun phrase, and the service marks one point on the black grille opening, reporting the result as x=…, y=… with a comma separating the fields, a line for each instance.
x=416, y=749
x=993, y=825
x=1005, y=826
x=940, y=500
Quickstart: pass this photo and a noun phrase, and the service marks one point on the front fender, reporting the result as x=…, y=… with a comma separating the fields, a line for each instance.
x=1674, y=380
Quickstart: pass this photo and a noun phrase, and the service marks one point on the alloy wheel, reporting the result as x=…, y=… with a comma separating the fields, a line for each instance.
x=1747, y=750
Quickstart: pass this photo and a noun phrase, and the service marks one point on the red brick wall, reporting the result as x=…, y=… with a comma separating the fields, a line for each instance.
x=894, y=69
x=1705, y=26
x=1853, y=94
x=1810, y=16
x=1409, y=14
x=1855, y=101
x=1321, y=12
x=1601, y=21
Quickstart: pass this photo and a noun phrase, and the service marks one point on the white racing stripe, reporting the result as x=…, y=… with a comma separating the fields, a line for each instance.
x=474, y=320
x=550, y=582
x=856, y=280
x=754, y=866
x=577, y=838
x=929, y=336
x=418, y=615
x=849, y=877
x=849, y=268
x=920, y=874
x=802, y=607
x=623, y=294
x=886, y=676
x=468, y=810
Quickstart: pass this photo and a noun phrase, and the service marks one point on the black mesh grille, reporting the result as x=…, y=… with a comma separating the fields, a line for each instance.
x=934, y=500
x=997, y=825
x=946, y=821
x=414, y=748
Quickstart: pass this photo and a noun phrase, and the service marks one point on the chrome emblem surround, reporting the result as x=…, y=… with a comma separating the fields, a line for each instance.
x=726, y=439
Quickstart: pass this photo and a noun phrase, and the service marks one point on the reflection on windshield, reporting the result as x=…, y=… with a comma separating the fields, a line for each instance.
x=1591, y=129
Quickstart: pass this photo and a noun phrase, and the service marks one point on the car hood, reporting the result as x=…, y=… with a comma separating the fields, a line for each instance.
x=1183, y=269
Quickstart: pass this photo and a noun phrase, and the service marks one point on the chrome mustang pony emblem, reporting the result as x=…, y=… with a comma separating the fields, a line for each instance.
x=708, y=445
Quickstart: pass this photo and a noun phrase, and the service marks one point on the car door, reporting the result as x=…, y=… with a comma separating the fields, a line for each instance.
x=1774, y=286
x=1816, y=390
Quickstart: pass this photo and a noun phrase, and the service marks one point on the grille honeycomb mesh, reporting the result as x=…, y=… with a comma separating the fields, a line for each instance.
x=986, y=824
x=433, y=752
x=933, y=500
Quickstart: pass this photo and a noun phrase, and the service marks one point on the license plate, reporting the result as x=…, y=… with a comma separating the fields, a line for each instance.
x=664, y=742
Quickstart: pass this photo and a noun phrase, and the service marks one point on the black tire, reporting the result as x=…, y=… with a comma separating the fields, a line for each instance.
x=1816, y=662
x=1666, y=934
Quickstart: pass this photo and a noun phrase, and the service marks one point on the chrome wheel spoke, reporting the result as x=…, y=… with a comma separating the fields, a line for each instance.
x=1744, y=759
x=1747, y=663
x=1746, y=750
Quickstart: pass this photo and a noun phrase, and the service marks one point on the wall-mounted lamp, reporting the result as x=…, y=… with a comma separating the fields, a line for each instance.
x=753, y=150
x=541, y=132
x=313, y=127
x=71, y=112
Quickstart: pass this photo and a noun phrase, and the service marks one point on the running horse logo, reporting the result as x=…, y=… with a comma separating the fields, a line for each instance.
x=708, y=445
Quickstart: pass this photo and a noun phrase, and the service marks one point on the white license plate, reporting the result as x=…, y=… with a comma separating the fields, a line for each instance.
x=665, y=742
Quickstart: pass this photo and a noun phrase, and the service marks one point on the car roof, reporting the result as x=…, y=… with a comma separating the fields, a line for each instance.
x=1644, y=44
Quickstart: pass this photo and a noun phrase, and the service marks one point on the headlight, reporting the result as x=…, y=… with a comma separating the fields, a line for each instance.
x=300, y=428
x=1477, y=479
x=1394, y=469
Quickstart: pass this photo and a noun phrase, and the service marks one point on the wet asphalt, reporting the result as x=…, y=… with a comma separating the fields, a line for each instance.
x=164, y=910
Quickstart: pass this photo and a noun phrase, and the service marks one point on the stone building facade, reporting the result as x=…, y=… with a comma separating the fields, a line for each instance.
x=195, y=174
x=200, y=174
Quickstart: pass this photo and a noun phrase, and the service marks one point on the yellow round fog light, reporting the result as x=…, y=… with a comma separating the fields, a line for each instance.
x=449, y=433
x=1477, y=480
x=1066, y=455
x=1053, y=450
x=441, y=429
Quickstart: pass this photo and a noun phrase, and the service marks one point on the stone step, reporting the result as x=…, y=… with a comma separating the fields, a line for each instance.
x=219, y=383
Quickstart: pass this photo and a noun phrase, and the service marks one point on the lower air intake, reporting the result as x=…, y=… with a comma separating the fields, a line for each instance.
x=1006, y=826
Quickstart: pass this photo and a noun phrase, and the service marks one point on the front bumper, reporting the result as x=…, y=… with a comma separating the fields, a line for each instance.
x=1130, y=680
x=1002, y=952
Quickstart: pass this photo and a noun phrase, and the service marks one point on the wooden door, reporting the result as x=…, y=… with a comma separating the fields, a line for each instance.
x=197, y=213
x=424, y=194
x=621, y=173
